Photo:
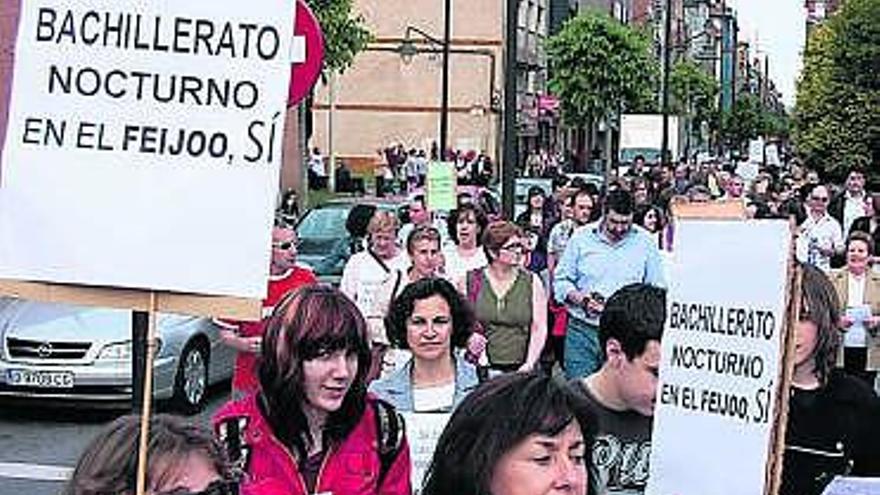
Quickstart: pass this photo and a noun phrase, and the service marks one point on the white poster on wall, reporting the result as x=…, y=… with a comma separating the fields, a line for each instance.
x=144, y=143
x=721, y=358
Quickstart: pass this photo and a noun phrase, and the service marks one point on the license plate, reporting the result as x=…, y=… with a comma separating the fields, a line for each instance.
x=40, y=379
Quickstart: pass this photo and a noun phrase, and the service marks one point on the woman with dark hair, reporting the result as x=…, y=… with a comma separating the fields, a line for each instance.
x=356, y=223
x=651, y=219
x=536, y=221
x=870, y=224
x=519, y=434
x=465, y=225
x=288, y=208
x=832, y=417
x=312, y=428
x=182, y=459
x=431, y=320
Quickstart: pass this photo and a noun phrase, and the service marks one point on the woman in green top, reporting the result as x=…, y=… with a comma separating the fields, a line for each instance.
x=509, y=301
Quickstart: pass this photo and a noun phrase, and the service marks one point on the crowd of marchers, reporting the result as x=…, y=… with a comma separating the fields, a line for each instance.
x=540, y=336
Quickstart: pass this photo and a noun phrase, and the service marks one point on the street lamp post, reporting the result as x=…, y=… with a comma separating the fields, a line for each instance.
x=408, y=50
x=508, y=164
x=444, y=102
x=667, y=51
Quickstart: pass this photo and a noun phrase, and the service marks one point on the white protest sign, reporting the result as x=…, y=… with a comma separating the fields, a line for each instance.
x=143, y=146
x=748, y=171
x=772, y=152
x=423, y=430
x=720, y=366
x=756, y=150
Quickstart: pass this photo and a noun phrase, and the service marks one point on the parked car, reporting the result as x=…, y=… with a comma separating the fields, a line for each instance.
x=323, y=238
x=74, y=354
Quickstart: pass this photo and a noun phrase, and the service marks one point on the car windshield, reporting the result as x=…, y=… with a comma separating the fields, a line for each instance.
x=323, y=222
x=522, y=187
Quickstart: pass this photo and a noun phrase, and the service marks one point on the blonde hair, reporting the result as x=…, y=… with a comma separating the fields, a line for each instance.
x=383, y=220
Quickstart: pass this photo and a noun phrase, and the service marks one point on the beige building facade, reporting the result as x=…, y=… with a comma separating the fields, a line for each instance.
x=392, y=95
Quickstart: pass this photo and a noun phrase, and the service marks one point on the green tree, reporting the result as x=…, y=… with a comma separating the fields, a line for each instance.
x=598, y=67
x=693, y=93
x=745, y=121
x=837, y=118
x=778, y=125
x=345, y=34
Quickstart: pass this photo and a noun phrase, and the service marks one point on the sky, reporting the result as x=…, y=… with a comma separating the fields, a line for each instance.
x=778, y=27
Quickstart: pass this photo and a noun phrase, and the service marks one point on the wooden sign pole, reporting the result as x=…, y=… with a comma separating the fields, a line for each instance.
x=774, y=469
x=139, y=328
x=147, y=397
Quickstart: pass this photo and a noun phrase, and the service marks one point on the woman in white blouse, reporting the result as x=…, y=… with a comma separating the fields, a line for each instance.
x=465, y=226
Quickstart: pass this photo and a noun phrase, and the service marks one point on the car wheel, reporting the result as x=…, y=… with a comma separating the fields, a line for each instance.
x=191, y=379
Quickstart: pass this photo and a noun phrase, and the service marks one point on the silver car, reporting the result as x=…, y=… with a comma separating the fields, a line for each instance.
x=79, y=354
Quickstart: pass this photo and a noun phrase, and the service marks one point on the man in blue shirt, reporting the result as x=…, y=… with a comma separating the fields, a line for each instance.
x=600, y=259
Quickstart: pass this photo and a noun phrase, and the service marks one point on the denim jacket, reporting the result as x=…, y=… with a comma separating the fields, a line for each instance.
x=397, y=388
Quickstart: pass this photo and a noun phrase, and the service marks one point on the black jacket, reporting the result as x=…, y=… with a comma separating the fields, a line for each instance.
x=831, y=431
x=863, y=224
x=835, y=207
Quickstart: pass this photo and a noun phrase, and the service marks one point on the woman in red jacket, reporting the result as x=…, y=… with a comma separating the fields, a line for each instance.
x=312, y=428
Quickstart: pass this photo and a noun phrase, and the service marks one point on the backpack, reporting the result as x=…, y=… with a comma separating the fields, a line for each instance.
x=390, y=426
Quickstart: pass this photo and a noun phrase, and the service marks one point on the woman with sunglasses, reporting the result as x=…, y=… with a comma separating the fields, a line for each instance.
x=182, y=459
x=832, y=417
x=820, y=236
x=312, y=428
x=509, y=302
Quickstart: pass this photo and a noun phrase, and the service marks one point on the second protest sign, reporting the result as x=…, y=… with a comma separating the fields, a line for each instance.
x=719, y=396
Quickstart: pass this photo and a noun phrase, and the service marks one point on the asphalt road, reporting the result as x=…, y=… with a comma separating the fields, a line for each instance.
x=38, y=445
